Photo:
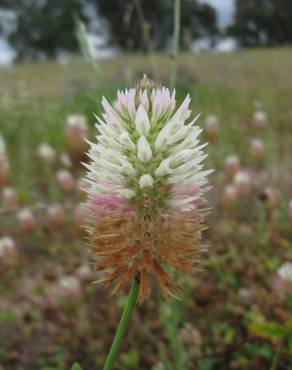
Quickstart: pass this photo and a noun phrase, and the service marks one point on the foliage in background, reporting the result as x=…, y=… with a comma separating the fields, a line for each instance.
x=128, y=18
x=262, y=22
x=47, y=28
x=44, y=28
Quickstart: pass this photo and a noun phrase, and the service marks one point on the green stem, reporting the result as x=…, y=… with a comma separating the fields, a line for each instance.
x=176, y=33
x=276, y=356
x=123, y=325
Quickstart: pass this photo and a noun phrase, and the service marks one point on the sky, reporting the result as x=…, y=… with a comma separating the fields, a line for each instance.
x=225, y=10
x=6, y=53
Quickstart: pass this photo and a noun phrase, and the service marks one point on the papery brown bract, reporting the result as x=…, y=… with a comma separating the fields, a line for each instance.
x=125, y=248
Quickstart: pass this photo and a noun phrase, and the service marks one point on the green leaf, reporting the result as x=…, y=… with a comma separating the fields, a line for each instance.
x=76, y=366
x=272, y=263
x=262, y=350
x=6, y=315
x=269, y=330
x=289, y=342
x=289, y=298
x=208, y=364
x=130, y=358
x=229, y=335
x=288, y=326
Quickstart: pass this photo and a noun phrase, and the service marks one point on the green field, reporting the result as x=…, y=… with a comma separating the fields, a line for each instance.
x=232, y=308
x=35, y=98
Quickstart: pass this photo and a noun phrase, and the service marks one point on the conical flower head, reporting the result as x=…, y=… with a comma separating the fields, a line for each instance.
x=146, y=188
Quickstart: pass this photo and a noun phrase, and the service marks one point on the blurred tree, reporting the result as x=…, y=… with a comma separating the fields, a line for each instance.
x=148, y=24
x=44, y=28
x=262, y=22
x=4, y=5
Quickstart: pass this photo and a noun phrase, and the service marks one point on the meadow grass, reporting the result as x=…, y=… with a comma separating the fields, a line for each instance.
x=35, y=100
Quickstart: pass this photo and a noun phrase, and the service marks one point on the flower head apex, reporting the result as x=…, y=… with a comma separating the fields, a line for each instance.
x=146, y=188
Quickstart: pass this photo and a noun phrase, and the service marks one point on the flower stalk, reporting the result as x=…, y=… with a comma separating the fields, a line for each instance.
x=123, y=325
x=176, y=35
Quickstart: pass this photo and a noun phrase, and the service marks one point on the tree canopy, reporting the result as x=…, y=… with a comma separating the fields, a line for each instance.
x=141, y=24
x=44, y=28
x=262, y=22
